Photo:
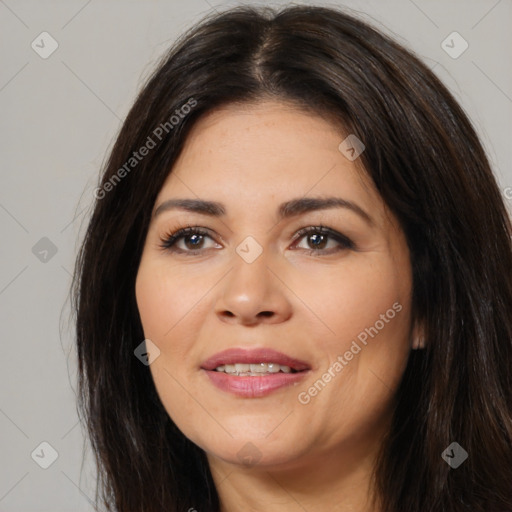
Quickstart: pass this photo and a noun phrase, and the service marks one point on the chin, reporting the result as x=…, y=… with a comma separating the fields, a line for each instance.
x=249, y=453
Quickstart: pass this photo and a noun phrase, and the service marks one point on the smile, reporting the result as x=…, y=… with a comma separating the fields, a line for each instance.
x=253, y=373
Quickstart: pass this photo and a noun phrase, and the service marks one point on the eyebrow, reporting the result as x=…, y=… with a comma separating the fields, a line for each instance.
x=286, y=210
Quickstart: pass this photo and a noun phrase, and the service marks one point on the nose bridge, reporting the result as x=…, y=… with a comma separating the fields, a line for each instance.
x=251, y=291
x=250, y=275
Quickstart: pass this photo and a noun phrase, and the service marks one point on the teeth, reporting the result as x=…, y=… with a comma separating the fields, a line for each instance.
x=273, y=368
x=253, y=370
x=259, y=368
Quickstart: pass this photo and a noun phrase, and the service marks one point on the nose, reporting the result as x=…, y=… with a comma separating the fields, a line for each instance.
x=253, y=293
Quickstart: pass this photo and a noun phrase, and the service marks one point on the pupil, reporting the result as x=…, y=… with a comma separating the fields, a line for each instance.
x=194, y=240
x=320, y=240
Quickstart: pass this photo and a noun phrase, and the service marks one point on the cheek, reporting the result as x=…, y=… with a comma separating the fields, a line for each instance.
x=367, y=306
x=167, y=309
x=166, y=306
x=163, y=298
x=353, y=297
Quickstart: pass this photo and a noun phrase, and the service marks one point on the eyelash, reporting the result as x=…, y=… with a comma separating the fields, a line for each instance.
x=169, y=240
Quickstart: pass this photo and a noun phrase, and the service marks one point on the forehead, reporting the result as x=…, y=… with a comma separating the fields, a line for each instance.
x=256, y=153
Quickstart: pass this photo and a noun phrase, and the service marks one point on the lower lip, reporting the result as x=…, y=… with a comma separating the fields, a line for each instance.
x=253, y=387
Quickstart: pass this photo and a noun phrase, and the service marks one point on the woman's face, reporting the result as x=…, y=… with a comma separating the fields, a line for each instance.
x=327, y=310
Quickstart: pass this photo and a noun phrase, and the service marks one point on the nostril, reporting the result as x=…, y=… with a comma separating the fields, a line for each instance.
x=265, y=313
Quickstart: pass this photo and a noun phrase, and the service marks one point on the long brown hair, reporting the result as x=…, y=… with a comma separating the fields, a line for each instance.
x=425, y=159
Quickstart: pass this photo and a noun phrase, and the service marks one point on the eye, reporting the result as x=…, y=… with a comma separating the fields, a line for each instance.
x=187, y=240
x=318, y=238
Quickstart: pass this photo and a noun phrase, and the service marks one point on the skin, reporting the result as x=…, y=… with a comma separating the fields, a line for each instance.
x=316, y=456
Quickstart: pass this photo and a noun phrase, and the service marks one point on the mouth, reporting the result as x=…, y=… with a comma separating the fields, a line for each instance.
x=254, y=362
x=253, y=373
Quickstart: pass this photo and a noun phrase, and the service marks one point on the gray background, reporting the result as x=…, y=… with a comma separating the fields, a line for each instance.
x=59, y=118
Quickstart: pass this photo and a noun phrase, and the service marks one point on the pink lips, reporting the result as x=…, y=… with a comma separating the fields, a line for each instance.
x=253, y=386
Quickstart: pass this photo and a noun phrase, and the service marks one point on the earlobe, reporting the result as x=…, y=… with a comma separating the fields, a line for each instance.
x=418, y=343
x=418, y=338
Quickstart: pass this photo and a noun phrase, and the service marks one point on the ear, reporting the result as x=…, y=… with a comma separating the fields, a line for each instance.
x=418, y=337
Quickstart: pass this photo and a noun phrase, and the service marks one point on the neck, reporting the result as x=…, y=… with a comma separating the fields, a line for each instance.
x=340, y=481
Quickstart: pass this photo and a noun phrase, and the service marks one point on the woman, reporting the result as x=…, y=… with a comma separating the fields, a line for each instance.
x=295, y=288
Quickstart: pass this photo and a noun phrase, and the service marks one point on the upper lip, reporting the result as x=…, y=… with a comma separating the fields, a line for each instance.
x=254, y=356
